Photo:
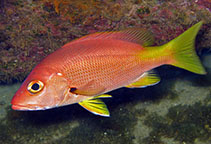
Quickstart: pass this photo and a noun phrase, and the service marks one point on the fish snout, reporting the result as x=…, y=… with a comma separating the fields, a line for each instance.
x=21, y=101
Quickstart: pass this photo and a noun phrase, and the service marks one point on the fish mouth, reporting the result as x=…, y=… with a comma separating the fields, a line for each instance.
x=28, y=108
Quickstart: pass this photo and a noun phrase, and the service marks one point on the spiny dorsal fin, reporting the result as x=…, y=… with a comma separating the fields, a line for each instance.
x=146, y=79
x=139, y=35
x=96, y=106
x=134, y=35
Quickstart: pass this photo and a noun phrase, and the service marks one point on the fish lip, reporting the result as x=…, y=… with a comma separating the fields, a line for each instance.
x=26, y=108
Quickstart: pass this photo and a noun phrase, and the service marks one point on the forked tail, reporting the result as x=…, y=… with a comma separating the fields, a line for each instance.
x=183, y=50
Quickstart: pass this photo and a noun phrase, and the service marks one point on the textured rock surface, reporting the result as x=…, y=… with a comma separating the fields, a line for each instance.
x=31, y=29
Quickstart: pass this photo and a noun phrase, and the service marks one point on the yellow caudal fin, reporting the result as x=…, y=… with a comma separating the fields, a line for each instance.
x=183, y=50
x=96, y=106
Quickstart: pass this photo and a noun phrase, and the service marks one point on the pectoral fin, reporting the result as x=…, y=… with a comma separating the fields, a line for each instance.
x=89, y=89
x=96, y=106
x=146, y=79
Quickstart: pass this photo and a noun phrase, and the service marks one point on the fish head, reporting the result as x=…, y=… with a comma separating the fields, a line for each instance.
x=42, y=89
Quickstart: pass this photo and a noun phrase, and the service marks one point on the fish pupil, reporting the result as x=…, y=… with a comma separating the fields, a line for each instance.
x=35, y=86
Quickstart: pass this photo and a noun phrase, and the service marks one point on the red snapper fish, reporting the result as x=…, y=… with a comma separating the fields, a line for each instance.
x=83, y=70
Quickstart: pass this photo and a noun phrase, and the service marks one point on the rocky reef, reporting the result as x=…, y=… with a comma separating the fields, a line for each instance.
x=31, y=29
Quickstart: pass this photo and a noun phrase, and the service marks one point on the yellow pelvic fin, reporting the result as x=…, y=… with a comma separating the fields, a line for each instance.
x=146, y=79
x=96, y=106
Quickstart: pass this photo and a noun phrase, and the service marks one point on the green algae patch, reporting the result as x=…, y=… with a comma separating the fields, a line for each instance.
x=67, y=125
x=183, y=123
x=36, y=128
x=94, y=130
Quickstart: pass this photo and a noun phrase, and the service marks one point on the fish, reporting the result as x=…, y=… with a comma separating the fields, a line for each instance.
x=84, y=70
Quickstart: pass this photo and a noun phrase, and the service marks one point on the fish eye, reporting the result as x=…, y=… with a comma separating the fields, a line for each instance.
x=35, y=86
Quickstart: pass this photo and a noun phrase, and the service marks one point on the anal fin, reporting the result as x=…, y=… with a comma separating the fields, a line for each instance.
x=96, y=106
x=146, y=79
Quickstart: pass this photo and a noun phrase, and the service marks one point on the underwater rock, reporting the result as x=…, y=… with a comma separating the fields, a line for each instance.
x=182, y=116
x=6, y=93
x=30, y=30
x=207, y=61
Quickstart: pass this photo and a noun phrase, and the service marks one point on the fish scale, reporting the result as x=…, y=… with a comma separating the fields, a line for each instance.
x=104, y=73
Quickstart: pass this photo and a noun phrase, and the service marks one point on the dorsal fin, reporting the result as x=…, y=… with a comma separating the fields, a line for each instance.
x=134, y=35
x=138, y=35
